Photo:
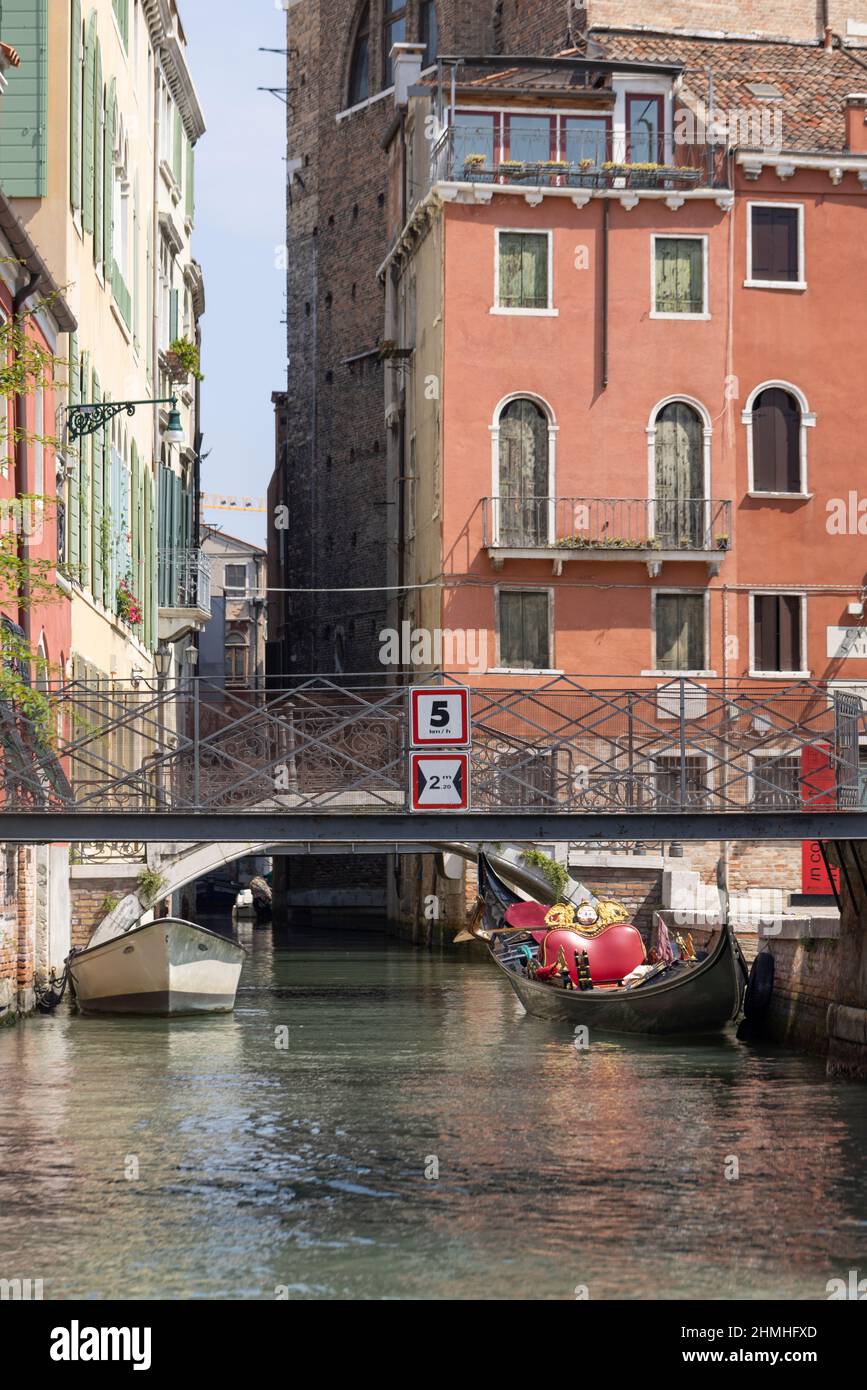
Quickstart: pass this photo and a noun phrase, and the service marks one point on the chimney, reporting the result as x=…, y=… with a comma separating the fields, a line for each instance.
x=856, y=123
x=828, y=42
x=407, y=60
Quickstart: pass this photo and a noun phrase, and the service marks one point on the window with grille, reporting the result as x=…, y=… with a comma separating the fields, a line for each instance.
x=776, y=781
x=235, y=580
x=685, y=784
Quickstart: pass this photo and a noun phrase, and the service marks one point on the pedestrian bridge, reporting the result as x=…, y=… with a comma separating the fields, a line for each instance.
x=325, y=761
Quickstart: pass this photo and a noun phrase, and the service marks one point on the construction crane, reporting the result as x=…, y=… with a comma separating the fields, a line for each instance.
x=220, y=502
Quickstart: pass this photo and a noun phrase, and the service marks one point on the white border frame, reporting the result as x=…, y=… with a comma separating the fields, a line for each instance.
x=800, y=283
x=497, y=307
x=755, y=671
x=553, y=431
x=500, y=669
x=658, y=670
x=808, y=421
x=705, y=314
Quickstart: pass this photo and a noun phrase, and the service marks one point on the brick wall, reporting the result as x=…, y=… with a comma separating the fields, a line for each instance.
x=88, y=898
x=18, y=938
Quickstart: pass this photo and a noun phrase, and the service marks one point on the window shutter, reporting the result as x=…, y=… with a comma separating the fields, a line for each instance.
x=75, y=106
x=149, y=574
x=173, y=316
x=110, y=116
x=97, y=486
x=775, y=244
x=178, y=148
x=99, y=160
x=82, y=559
x=191, y=182
x=790, y=632
x=23, y=130
x=776, y=442
x=766, y=638
x=149, y=301
x=679, y=275
x=89, y=132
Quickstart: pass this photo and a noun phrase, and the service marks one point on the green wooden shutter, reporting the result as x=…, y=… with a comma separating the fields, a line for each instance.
x=85, y=451
x=110, y=120
x=97, y=488
x=149, y=573
x=24, y=127
x=191, y=182
x=178, y=150
x=73, y=524
x=121, y=10
x=99, y=160
x=75, y=106
x=173, y=317
x=89, y=129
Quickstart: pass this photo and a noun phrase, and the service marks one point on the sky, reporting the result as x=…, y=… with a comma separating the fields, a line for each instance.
x=240, y=224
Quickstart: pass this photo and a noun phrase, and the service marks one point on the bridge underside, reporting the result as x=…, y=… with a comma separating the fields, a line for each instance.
x=481, y=827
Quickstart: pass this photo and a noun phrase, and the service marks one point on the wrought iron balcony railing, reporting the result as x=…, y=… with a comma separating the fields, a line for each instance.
x=588, y=160
x=570, y=525
x=185, y=580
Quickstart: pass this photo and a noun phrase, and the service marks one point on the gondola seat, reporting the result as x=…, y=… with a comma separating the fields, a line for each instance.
x=527, y=915
x=611, y=955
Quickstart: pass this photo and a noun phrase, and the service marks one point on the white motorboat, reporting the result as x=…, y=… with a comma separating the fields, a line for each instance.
x=167, y=966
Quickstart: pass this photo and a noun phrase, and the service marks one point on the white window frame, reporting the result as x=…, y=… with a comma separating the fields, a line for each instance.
x=497, y=308
x=656, y=669
x=553, y=430
x=801, y=283
x=705, y=262
x=777, y=593
x=233, y=593
x=500, y=669
x=808, y=421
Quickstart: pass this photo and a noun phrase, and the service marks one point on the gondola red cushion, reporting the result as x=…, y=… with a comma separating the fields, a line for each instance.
x=612, y=954
x=526, y=915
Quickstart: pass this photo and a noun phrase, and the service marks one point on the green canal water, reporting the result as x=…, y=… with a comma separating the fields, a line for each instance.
x=198, y=1159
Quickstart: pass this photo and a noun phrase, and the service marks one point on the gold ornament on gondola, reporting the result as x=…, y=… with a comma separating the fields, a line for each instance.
x=561, y=915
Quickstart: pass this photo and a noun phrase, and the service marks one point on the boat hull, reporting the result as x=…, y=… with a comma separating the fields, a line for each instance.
x=697, y=998
x=165, y=968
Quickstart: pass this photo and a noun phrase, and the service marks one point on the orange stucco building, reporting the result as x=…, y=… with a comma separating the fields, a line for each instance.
x=624, y=404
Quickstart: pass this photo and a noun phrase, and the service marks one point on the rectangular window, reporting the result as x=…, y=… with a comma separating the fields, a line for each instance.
x=776, y=782
x=775, y=244
x=777, y=629
x=586, y=138
x=682, y=786
x=679, y=276
x=524, y=630
x=475, y=133
x=235, y=579
x=530, y=139
x=523, y=279
x=679, y=621
x=645, y=130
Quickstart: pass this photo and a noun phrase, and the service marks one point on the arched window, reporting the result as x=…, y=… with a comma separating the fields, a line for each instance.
x=236, y=659
x=359, y=68
x=428, y=33
x=679, y=476
x=524, y=457
x=393, y=31
x=776, y=418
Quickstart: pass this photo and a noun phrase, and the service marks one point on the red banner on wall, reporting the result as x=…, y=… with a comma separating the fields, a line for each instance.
x=818, y=788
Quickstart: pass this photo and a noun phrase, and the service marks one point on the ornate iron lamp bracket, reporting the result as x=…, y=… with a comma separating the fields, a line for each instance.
x=87, y=419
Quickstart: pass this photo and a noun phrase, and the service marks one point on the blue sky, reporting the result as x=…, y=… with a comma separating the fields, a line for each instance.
x=240, y=214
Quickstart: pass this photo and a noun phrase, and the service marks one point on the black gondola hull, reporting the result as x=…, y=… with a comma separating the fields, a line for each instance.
x=698, y=998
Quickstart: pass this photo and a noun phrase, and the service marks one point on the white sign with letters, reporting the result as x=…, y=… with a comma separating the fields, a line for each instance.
x=439, y=716
x=847, y=642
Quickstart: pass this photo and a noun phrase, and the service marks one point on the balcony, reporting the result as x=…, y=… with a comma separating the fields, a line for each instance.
x=591, y=162
x=184, y=593
x=652, y=531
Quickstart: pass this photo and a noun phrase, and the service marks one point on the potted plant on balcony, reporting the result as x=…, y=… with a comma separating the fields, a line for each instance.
x=583, y=174
x=516, y=171
x=555, y=170
x=722, y=542
x=128, y=606
x=182, y=360
x=474, y=169
x=642, y=175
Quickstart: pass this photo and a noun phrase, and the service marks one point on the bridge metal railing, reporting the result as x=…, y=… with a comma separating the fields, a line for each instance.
x=330, y=744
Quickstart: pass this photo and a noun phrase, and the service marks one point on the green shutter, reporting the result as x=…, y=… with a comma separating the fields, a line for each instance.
x=149, y=581
x=99, y=160
x=75, y=106
x=173, y=316
x=24, y=127
x=98, y=502
x=89, y=110
x=121, y=10
x=110, y=118
x=85, y=449
x=73, y=527
x=191, y=182
x=178, y=151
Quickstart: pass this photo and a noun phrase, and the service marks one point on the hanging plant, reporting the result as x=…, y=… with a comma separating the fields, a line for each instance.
x=183, y=360
x=128, y=606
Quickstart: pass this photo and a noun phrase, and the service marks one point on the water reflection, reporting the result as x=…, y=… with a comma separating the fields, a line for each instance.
x=260, y=1167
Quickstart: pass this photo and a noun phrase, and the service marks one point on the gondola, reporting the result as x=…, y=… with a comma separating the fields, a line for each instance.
x=696, y=997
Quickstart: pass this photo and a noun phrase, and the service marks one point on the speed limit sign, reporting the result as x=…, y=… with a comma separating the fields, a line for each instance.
x=439, y=716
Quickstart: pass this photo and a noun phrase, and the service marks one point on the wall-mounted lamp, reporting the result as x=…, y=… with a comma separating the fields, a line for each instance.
x=90, y=417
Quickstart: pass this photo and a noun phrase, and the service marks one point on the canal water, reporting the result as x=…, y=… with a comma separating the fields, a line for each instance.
x=373, y=1122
